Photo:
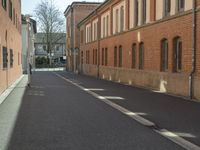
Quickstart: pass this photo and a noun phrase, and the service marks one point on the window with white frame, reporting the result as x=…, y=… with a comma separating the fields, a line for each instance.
x=117, y=21
x=136, y=13
x=167, y=8
x=180, y=5
x=105, y=24
x=144, y=11
x=119, y=17
x=88, y=33
x=95, y=30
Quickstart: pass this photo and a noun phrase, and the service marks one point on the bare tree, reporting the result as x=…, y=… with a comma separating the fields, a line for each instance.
x=50, y=22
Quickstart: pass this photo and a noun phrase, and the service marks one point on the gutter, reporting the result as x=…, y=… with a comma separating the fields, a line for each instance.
x=99, y=37
x=192, y=73
x=72, y=39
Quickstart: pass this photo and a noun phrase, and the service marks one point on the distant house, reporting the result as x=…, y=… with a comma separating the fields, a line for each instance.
x=58, y=52
x=33, y=31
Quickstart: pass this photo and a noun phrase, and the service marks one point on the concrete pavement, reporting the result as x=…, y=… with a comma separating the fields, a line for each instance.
x=54, y=114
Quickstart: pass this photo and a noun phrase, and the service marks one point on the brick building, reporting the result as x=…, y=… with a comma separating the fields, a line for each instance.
x=74, y=14
x=145, y=43
x=10, y=42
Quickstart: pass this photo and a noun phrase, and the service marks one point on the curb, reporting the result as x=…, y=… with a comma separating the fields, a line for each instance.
x=7, y=92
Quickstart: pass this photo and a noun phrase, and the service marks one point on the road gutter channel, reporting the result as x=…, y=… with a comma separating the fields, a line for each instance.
x=163, y=132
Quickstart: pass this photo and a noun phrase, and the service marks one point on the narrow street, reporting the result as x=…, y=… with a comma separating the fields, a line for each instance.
x=100, y=75
x=62, y=111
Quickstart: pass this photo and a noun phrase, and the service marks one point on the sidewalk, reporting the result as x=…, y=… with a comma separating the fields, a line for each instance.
x=9, y=107
x=172, y=113
x=4, y=95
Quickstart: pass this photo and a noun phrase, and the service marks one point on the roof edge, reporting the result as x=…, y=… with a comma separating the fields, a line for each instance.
x=93, y=12
x=77, y=3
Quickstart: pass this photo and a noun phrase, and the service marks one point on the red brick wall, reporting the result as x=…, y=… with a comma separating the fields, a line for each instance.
x=151, y=36
x=80, y=13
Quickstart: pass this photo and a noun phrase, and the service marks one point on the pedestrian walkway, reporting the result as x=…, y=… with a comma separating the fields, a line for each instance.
x=4, y=95
x=9, y=111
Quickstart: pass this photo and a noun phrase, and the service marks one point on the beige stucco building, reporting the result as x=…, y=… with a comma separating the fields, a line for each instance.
x=10, y=42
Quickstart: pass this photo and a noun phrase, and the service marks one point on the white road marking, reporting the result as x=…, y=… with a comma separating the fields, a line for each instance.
x=177, y=139
x=163, y=132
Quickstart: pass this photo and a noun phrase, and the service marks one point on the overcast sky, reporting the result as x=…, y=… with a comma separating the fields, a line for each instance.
x=28, y=6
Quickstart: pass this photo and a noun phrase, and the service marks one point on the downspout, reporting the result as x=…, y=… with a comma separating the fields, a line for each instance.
x=98, y=40
x=72, y=38
x=74, y=48
x=191, y=76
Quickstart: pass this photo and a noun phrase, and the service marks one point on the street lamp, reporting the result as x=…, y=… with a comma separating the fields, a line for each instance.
x=28, y=47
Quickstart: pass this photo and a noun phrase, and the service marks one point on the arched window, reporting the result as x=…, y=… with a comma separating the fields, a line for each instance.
x=120, y=56
x=115, y=56
x=121, y=18
x=96, y=57
x=102, y=57
x=141, y=56
x=133, y=56
x=177, y=54
x=106, y=56
x=93, y=56
x=164, y=55
x=82, y=57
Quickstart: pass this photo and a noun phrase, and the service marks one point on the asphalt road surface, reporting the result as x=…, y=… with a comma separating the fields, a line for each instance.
x=58, y=114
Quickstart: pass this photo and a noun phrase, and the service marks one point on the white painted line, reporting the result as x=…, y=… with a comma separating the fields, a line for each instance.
x=177, y=139
x=49, y=69
x=163, y=132
x=125, y=111
x=94, y=89
x=5, y=94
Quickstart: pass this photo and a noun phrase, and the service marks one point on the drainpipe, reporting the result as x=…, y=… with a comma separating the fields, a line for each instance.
x=74, y=48
x=99, y=37
x=193, y=50
x=72, y=39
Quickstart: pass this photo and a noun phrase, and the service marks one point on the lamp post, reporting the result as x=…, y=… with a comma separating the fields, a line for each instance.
x=28, y=47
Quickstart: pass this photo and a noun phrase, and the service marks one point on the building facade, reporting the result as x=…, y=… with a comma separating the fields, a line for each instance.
x=74, y=14
x=25, y=40
x=58, y=50
x=147, y=43
x=10, y=42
